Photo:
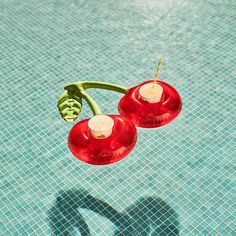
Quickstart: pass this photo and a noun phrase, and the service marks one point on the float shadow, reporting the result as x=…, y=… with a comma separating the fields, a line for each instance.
x=147, y=216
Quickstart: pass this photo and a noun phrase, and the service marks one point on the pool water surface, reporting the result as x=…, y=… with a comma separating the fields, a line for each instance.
x=179, y=179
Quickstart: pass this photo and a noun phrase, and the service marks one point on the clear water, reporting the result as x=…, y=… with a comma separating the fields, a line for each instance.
x=181, y=174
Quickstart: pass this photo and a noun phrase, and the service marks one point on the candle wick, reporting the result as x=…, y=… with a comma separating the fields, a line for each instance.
x=157, y=72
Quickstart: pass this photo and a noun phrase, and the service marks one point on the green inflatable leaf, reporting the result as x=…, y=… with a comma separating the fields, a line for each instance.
x=69, y=105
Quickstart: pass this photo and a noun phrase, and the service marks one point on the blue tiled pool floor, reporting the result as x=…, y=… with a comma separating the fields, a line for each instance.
x=179, y=179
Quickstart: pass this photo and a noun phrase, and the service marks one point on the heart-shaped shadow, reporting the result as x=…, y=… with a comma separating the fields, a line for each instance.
x=147, y=216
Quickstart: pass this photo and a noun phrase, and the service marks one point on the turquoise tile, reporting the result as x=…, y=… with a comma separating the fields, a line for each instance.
x=182, y=173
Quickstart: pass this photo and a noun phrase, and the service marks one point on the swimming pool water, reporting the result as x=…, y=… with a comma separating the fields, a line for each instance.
x=179, y=179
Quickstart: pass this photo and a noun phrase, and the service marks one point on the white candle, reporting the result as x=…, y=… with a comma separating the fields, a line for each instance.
x=101, y=126
x=150, y=93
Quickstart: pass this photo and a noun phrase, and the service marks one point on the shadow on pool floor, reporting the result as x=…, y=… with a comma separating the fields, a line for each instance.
x=147, y=216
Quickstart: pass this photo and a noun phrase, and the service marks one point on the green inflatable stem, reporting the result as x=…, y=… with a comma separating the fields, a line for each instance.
x=91, y=102
x=70, y=102
x=81, y=93
x=100, y=85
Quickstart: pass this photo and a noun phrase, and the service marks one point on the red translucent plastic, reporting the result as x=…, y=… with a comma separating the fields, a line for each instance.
x=103, y=151
x=150, y=115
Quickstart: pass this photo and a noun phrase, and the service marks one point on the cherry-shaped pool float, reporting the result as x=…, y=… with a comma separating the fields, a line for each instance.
x=150, y=115
x=102, y=151
x=106, y=139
